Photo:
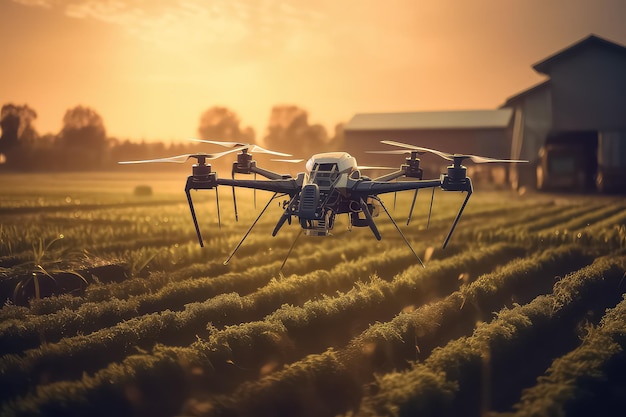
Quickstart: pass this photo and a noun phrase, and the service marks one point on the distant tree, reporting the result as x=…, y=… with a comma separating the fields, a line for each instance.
x=220, y=123
x=338, y=141
x=83, y=139
x=289, y=131
x=18, y=134
x=82, y=127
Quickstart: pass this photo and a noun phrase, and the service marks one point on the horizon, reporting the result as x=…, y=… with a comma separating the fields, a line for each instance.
x=151, y=70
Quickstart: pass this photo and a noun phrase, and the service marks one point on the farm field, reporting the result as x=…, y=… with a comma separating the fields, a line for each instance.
x=110, y=307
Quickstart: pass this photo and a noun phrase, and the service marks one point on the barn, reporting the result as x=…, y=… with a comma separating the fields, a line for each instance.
x=572, y=126
x=482, y=132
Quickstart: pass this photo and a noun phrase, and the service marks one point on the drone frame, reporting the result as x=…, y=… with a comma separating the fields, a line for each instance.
x=304, y=193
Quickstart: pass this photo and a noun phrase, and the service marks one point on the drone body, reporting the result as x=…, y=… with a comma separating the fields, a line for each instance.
x=331, y=185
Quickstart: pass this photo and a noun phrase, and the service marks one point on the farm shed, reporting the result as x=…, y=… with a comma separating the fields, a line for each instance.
x=572, y=126
x=483, y=132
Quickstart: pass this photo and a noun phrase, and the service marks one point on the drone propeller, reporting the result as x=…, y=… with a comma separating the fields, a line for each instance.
x=201, y=157
x=201, y=178
x=398, y=152
x=290, y=161
x=456, y=178
x=456, y=158
x=241, y=145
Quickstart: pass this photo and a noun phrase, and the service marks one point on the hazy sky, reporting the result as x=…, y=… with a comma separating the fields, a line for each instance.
x=151, y=67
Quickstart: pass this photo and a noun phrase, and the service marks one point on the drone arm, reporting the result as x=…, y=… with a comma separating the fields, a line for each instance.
x=268, y=174
x=391, y=176
x=281, y=186
x=379, y=187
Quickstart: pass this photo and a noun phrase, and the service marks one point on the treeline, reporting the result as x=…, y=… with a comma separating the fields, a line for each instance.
x=83, y=145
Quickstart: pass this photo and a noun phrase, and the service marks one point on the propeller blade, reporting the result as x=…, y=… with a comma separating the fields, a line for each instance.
x=250, y=147
x=450, y=157
x=396, y=152
x=291, y=161
x=179, y=159
x=176, y=159
x=444, y=155
x=483, y=159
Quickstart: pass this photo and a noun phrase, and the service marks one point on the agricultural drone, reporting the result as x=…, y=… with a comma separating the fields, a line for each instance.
x=331, y=185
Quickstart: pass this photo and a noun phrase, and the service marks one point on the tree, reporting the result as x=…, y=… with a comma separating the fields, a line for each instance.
x=338, y=141
x=18, y=133
x=220, y=123
x=82, y=127
x=83, y=139
x=289, y=131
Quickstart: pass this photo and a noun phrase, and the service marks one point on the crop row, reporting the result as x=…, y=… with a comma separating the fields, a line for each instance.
x=113, y=343
x=232, y=342
x=471, y=375
x=162, y=291
x=27, y=332
x=411, y=335
x=170, y=264
x=585, y=381
x=226, y=351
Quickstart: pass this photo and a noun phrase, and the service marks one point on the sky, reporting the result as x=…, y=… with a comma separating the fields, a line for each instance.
x=150, y=68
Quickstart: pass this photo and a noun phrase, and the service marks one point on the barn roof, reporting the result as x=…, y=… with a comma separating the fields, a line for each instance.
x=545, y=66
x=429, y=120
x=537, y=87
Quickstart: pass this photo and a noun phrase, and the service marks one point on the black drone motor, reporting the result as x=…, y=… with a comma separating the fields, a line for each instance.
x=412, y=167
x=456, y=179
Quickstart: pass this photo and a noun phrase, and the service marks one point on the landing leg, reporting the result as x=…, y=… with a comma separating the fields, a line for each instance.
x=293, y=245
x=400, y=231
x=249, y=229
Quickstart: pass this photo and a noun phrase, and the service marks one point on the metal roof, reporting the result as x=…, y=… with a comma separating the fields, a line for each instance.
x=537, y=87
x=431, y=120
x=545, y=66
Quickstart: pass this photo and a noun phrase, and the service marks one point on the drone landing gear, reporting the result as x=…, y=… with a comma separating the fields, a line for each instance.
x=456, y=181
x=369, y=219
x=458, y=217
x=400, y=231
x=293, y=245
x=249, y=229
x=202, y=179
